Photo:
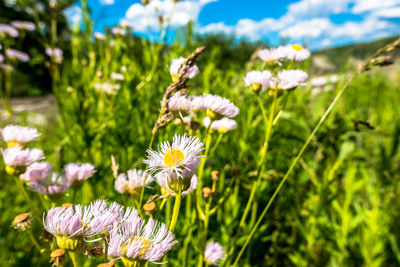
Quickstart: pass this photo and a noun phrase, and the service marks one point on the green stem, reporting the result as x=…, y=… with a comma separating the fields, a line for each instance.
x=74, y=257
x=35, y=242
x=260, y=169
x=175, y=211
x=22, y=190
x=277, y=190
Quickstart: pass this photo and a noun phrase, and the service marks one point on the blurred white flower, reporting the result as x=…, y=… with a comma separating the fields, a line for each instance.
x=257, y=79
x=8, y=30
x=222, y=126
x=218, y=107
x=176, y=69
x=24, y=25
x=15, y=135
x=273, y=56
x=288, y=79
x=117, y=76
x=15, y=54
x=118, y=31
x=132, y=183
x=55, y=53
x=16, y=156
x=99, y=36
x=213, y=253
x=297, y=52
x=166, y=191
x=77, y=173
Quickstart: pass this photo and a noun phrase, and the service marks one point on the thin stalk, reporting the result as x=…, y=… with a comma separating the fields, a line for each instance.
x=260, y=168
x=74, y=257
x=175, y=212
x=35, y=242
x=277, y=190
x=22, y=190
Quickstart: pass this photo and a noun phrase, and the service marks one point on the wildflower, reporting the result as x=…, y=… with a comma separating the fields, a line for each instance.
x=297, y=52
x=55, y=53
x=177, y=162
x=179, y=104
x=15, y=135
x=222, y=126
x=166, y=191
x=117, y=76
x=176, y=69
x=137, y=243
x=23, y=25
x=213, y=253
x=53, y=185
x=76, y=173
x=38, y=171
x=6, y=29
x=287, y=80
x=15, y=54
x=218, y=107
x=319, y=81
x=99, y=36
x=22, y=221
x=108, y=88
x=6, y=67
x=118, y=31
x=1, y=58
x=273, y=56
x=17, y=159
x=132, y=183
x=257, y=79
x=73, y=225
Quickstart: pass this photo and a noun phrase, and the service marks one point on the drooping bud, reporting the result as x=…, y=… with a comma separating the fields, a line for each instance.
x=57, y=256
x=22, y=221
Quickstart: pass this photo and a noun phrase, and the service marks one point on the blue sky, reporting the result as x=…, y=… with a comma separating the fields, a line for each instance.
x=319, y=23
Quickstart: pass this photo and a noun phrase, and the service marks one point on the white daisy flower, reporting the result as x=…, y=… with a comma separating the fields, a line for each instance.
x=77, y=173
x=166, y=191
x=218, y=107
x=297, y=52
x=288, y=79
x=108, y=88
x=15, y=135
x=55, y=53
x=132, y=183
x=17, y=159
x=175, y=69
x=137, y=242
x=257, y=79
x=222, y=126
x=177, y=161
x=273, y=56
x=17, y=55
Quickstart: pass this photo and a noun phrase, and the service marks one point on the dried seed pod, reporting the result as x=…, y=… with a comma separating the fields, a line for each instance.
x=22, y=221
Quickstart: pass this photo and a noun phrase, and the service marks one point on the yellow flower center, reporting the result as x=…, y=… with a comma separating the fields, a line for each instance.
x=146, y=245
x=297, y=47
x=13, y=143
x=173, y=157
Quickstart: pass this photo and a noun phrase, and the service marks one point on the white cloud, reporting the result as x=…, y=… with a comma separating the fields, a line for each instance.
x=311, y=28
x=362, y=6
x=359, y=30
x=393, y=12
x=107, y=2
x=317, y=8
x=218, y=27
x=143, y=17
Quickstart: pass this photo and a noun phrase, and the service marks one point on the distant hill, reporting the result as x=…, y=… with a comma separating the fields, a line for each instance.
x=338, y=57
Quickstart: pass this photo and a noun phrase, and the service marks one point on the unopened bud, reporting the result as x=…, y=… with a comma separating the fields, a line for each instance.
x=22, y=221
x=107, y=264
x=149, y=208
x=215, y=175
x=382, y=61
x=208, y=192
x=95, y=251
x=67, y=205
x=194, y=125
x=46, y=236
x=235, y=170
x=145, y=2
x=57, y=256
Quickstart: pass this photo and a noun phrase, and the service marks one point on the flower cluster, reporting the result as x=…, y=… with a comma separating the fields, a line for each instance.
x=274, y=56
x=282, y=80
